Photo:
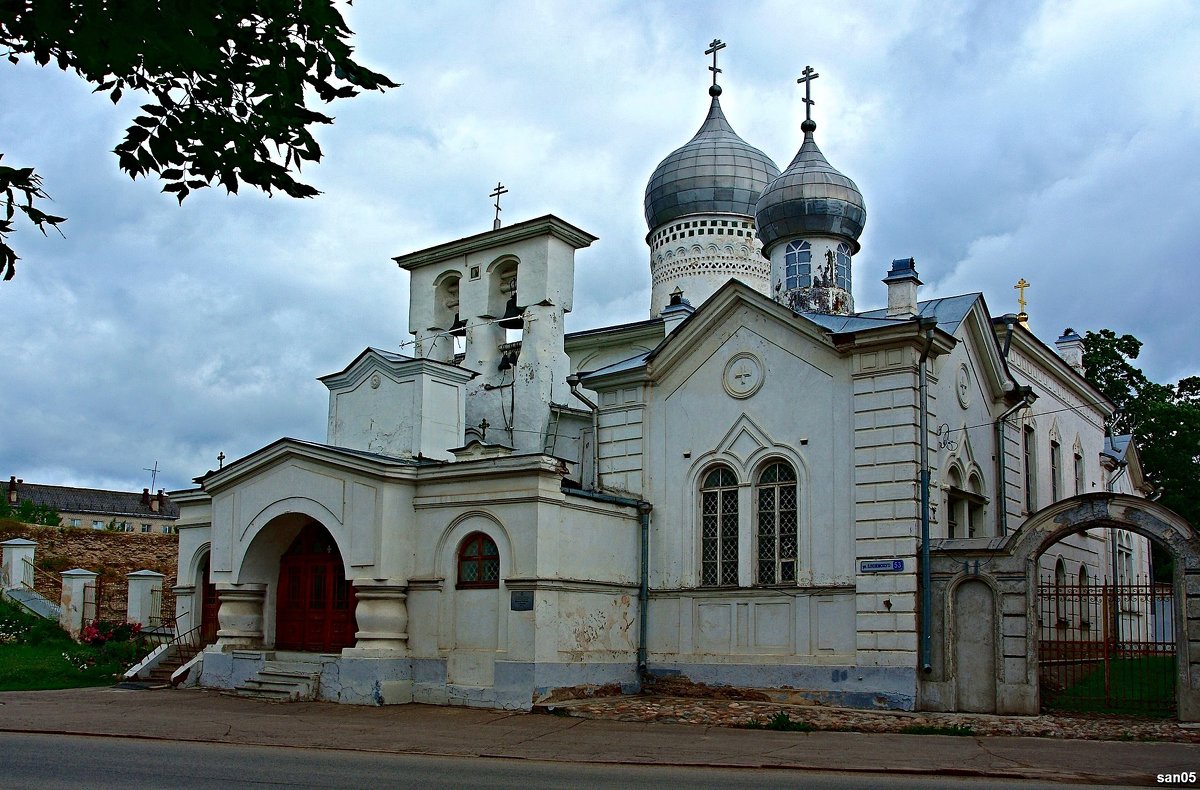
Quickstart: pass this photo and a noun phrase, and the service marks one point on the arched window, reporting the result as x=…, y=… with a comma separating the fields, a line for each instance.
x=778, y=542
x=797, y=266
x=719, y=528
x=842, y=267
x=478, y=563
x=956, y=505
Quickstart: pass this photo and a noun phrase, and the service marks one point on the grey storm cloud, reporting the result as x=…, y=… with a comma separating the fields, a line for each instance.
x=992, y=141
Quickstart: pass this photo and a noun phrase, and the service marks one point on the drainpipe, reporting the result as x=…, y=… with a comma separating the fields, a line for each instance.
x=644, y=509
x=1027, y=399
x=927, y=324
x=1112, y=532
x=573, y=383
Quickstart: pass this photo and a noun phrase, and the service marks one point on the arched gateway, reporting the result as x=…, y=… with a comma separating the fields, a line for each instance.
x=984, y=618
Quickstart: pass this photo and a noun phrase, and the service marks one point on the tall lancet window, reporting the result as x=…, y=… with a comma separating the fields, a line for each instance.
x=842, y=267
x=797, y=266
x=719, y=528
x=778, y=541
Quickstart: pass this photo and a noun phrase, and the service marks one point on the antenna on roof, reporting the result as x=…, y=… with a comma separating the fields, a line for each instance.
x=153, y=474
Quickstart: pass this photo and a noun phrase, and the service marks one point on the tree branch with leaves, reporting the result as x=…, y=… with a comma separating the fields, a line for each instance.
x=228, y=81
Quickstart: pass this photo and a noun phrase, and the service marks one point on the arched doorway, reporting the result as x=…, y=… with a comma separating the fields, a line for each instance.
x=1106, y=626
x=209, y=604
x=315, y=608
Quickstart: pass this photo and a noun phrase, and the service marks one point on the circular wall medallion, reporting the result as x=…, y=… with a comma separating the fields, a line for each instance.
x=376, y=379
x=744, y=375
x=962, y=385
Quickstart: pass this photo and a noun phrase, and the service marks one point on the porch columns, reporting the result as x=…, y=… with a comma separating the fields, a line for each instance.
x=382, y=616
x=184, y=605
x=241, y=615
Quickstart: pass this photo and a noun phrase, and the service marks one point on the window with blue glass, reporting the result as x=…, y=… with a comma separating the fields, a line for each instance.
x=797, y=266
x=842, y=267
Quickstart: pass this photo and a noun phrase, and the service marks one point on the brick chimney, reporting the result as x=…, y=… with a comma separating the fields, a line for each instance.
x=145, y=497
x=160, y=502
x=12, y=490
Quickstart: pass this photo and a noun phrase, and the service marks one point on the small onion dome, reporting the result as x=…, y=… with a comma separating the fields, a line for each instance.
x=717, y=172
x=810, y=198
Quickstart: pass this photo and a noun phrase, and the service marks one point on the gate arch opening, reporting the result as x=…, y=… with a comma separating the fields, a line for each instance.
x=1106, y=630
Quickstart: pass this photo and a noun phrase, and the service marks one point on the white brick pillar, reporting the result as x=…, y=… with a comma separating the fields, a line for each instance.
x=143, y=604
x=71, y=613
x=15, y=553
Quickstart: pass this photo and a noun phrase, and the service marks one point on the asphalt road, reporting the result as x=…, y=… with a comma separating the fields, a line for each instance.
x=46, y=762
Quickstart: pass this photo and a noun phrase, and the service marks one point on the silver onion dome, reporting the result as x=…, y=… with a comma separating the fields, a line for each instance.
x=717, y=172
x=810, y=198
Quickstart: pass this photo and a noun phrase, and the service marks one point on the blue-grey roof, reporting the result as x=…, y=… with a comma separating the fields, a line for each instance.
x=810, y=197
x=717, y=172
x=633, y=363
x=949, y=311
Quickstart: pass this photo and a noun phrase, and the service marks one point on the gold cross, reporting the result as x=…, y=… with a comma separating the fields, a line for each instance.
x=1021, y=286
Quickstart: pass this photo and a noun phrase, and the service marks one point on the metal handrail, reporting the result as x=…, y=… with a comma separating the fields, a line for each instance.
x=33, y=577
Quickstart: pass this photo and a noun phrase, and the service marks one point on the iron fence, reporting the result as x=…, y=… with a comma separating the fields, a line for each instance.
x=1107, y=647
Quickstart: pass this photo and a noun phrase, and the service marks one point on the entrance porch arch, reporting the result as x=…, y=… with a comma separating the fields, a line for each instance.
x=1009, y=565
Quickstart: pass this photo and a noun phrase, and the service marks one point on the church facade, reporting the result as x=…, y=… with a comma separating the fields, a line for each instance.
x=733, y=491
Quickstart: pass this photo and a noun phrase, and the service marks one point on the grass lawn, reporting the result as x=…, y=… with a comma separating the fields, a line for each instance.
x=1140, y=686
x=36, y=654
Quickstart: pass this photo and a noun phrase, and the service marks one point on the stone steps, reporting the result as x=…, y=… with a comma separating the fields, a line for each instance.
x=288, y=680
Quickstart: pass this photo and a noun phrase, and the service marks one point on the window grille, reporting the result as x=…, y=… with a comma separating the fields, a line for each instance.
x=719, y=528
x=778, y=539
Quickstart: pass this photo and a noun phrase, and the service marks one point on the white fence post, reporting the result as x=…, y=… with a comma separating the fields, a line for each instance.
x=71, y=614
x=140, y=607
x=12, y=571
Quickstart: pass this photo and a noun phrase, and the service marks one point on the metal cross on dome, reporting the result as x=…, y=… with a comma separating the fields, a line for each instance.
x=716, y=46
x=809, y=76
x=496, y=193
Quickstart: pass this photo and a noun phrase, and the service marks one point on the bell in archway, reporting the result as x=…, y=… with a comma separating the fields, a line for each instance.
x=513, y=317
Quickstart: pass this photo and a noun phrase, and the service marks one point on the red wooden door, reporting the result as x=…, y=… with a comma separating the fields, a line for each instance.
x=315, y=611
x=209, y=604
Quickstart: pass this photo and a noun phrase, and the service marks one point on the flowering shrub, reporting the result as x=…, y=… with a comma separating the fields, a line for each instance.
x=99, y=632
x=12, y=629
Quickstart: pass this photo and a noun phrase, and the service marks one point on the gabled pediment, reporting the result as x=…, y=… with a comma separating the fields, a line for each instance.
x=395, y=366
x=714, y=315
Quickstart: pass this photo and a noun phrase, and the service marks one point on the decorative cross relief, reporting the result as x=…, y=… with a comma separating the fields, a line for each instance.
x=744, y=374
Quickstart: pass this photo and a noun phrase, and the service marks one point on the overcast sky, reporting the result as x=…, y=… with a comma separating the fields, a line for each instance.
x=1058, y=141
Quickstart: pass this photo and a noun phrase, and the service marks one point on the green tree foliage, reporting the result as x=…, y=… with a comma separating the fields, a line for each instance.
x=228, y=84
x=28, y=513
x=1164, y=419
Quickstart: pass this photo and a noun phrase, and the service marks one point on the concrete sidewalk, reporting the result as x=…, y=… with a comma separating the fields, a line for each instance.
x=421, y=729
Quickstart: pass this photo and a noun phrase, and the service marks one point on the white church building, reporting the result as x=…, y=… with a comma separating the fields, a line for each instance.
x=730, y=490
